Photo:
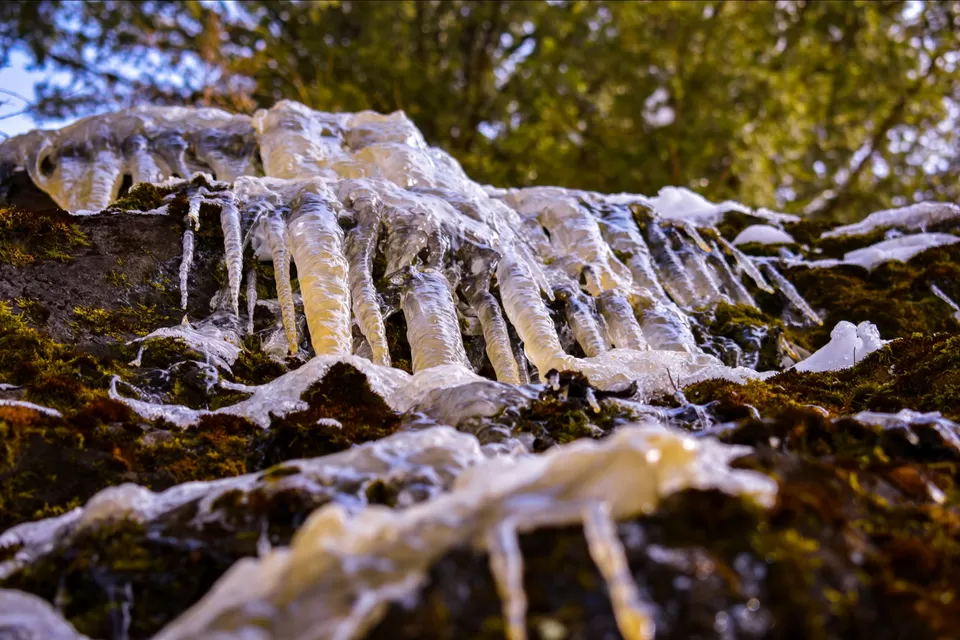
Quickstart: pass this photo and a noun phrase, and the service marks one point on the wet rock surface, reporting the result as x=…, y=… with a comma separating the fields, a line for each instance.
x=860, y=540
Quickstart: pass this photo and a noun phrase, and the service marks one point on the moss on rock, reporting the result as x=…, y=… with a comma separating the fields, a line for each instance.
x=29, y=236
x=919, y=372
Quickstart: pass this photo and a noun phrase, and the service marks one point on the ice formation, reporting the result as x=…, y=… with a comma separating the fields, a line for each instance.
x=848, y=345
x=902, y=249
x=26, y=617
x=918, y=216
x=763, y=234
x=343, y=191
x=678, y=202
x=937, y=291
x=341, y=570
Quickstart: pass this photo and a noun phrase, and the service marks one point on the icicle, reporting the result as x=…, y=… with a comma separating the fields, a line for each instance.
x=943, y=296
x=186, y=261
x=497, y=338
x=228, y=149
x=410, y=224
x=691, y=230
x=193, y=207
x=251, y=298
x=634, y=620
x=744, y=262
x=522, y=364
x=172, y=147
x=298, y=142
x=623, y=329
x=787, y=288
x=142, y=165
x=506, y=565
x=276, y=235
x=575, y=233
x=701, y=276
x=582, y=322
x=316, y=243
x=664, y=326
x=83, y=180
x=528, y=314
x=622, y=234
x=432, y=327
x=361, y=247
x=233, y=248
x=674, y=276
x=731, y=282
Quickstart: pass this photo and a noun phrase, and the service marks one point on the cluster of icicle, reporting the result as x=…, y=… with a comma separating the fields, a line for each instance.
x=333, y=195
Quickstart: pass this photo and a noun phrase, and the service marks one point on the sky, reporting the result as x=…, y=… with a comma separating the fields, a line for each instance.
x=18, y=79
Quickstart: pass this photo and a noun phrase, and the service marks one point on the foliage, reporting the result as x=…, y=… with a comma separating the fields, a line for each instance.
x=835, y=108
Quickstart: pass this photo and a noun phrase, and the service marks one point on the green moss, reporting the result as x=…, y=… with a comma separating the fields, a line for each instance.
x=26, y=236
x=757, y=336
x=143, y=196
x=895, y=296
x=117, y=278
x=52, y=374
x=120, y=324
x=160, y=353
x=253, y=366
x=571, y=411
x=123, y=566
x=919, y=372
x=32, y=310
x=396, y=332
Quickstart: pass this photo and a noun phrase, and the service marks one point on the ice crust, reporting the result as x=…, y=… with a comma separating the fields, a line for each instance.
x=913, y=217
x=901, y=249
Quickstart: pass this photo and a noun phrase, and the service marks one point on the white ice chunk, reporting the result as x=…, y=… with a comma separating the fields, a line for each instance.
x=848, y=345
x=677, y=203
x=29, y=405
x=763, y=234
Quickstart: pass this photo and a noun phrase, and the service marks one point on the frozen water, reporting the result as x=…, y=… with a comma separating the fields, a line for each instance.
x=914, y=217
x=902, y=249
x=341, y=571
x=848, y=345
x=763, y=234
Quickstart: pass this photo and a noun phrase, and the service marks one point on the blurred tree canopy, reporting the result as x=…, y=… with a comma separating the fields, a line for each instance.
x=831, y=108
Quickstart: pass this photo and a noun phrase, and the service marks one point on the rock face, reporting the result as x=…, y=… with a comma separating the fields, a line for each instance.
x=308, y=379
